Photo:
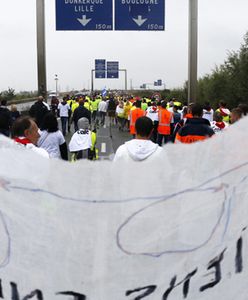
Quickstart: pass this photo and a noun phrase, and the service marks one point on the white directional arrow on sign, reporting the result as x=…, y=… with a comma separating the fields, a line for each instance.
x=139, y=21
x=84, y=21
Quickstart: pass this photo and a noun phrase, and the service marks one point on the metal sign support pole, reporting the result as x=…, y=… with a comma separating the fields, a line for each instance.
x=192, y=64
x=124, y=70
x=125, y=80
x=92, y=80
x=41, y=47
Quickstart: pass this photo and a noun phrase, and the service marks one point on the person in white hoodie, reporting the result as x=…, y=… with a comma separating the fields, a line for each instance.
x=141, y=148
x=83, y=141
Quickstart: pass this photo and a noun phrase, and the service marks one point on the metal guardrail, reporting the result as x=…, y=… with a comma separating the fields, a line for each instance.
x=20, y=101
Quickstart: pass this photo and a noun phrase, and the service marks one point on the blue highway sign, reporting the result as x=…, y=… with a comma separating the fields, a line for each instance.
x=159, y=82
x=140, y=15
x=84, y=15
x=100, y=68
x=112, y=69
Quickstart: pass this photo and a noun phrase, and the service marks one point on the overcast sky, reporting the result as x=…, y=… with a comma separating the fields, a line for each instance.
x=147, y=56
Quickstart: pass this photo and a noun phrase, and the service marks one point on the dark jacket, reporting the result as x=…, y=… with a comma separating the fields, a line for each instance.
x=111, y=105
x=15, y=115
x=80, y=112
x=5, y=120
x=38, y=111
x=195, y=129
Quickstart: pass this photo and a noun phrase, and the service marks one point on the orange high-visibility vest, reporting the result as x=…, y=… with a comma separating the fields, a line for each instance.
x=134, y=115
x=164, y=119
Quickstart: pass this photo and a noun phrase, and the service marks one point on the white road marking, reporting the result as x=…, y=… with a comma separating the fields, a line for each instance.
x=103, y=147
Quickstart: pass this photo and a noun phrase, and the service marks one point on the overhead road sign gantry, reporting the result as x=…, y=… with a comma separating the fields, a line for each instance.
x=84, y=15
x=100, y=68
x=112, y=69
x=140, y=15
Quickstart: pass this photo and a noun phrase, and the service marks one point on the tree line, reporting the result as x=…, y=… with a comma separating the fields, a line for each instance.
x=227, y=82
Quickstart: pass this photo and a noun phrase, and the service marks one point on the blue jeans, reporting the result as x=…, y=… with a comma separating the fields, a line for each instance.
x=102, y=117
x=63, y=123
x=162, y=137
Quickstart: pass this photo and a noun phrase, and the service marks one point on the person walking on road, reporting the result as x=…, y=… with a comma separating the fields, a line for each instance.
x=51, y=138
x=26, y=133
x=218, y=125
x=94, y=105
x=185, y=115
x=64, y=112
x=127, y=108
x=38, y=111
x=83, y=142
x=208, y=112
x=141, y=148
x=102, y=109
x=15, y=114
x=134, y=115
x=111, y=110
x=120, y=115
x=224, y=111
x=196, y=128
x=80, y=112
x=165, y=123
x=152, y=113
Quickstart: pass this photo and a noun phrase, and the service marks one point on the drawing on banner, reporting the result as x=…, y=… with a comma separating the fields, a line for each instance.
x=184, y=239
x=218, y=196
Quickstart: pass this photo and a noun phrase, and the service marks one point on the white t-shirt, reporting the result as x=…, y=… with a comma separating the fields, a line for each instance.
x=152, y=113
x=209, y=115
x=103, y=105
x=64, y=109
x=50, y=141
x=119, y=110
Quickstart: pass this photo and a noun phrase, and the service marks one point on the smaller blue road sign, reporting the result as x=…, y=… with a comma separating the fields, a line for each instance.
x=112, y=69
x=100, y=68
x=140, y=15
x=159, y=82
x=84, y=15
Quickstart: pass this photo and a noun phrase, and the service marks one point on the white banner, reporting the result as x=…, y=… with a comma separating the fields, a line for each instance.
x=174, y=229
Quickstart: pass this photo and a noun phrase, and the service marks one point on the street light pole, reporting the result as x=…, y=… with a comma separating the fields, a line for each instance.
x=56, y=84
x=41, y=48
x=193, y=47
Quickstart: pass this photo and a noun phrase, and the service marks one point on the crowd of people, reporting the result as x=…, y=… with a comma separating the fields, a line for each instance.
x=151, y=122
